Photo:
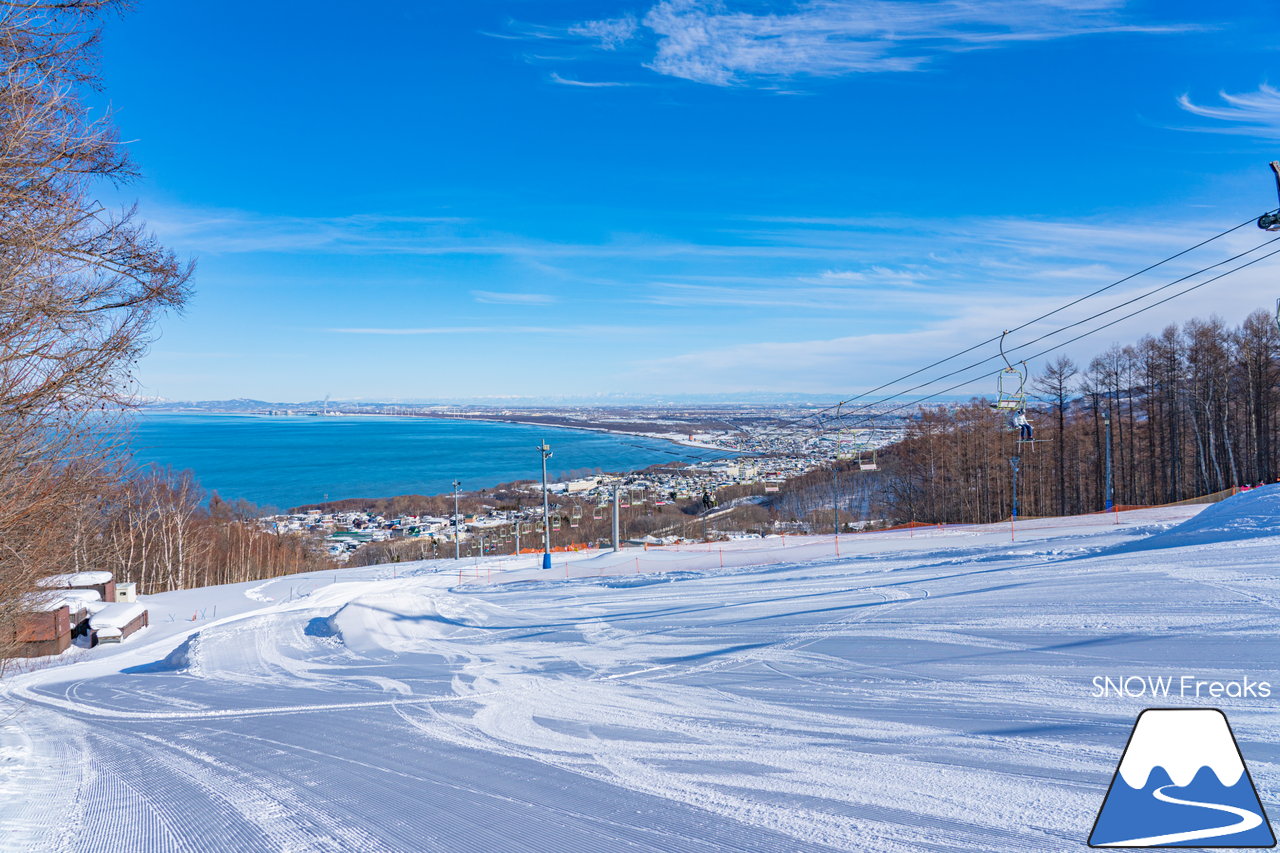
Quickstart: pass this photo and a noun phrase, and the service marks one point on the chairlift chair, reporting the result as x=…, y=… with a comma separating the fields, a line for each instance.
x=597, y=512
x=575, y=516
x=555, y=523
x=1011, y=389
x=1011, y=383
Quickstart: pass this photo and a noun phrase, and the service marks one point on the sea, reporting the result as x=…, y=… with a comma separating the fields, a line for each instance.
x=282, y=461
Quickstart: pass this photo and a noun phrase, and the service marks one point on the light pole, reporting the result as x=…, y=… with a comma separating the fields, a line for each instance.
x=545, y=450
x=835, y=495
x=1013, y=518
x=616, y=541
x=1106, y=419
x=457, y=543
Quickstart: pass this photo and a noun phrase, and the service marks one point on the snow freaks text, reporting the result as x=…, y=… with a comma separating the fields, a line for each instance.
x=1183, y=686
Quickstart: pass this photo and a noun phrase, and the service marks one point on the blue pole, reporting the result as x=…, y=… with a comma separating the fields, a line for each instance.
x=546, y=509
x=1014, y=462
x=1107, y=420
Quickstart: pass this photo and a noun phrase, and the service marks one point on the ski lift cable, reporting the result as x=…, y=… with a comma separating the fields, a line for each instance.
x=1084, y=320
x=1059, y=331
x=1084, y=334
x=1250, y=221
x=818, y=414
x=1107, y=325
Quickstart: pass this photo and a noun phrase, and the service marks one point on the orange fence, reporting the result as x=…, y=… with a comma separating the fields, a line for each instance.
x=808, y=547
x=558, y=549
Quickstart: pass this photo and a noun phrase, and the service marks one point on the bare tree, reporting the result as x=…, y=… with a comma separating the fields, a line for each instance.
x=1055, y=385
x=80, y=288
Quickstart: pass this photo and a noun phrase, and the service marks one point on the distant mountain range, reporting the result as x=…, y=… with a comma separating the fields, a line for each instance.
x=244, y=404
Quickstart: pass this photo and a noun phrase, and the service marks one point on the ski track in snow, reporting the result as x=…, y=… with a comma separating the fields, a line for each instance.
x=927, y=690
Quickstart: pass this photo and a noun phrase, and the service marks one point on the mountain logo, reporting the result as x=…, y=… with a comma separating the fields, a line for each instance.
x=1181, y=783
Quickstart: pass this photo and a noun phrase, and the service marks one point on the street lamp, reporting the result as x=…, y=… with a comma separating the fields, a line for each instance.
x=1013, y=516
x=1106, y=419
x=457, y=544
x=545, y=450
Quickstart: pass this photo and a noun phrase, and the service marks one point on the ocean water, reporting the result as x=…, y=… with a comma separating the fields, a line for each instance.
x=288, y=461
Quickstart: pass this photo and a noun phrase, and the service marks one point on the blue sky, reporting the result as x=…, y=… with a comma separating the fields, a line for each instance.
x=481, y=199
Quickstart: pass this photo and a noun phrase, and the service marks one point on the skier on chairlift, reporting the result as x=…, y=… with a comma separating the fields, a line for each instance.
x=1023, y=425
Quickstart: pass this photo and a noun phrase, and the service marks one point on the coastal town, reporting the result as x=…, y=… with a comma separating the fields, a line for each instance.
x=723, y=496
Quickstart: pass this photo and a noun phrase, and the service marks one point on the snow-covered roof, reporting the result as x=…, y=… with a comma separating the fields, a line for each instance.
x=116, y=615
x=75, y=579
x=80, y=596
x=45, y=604
x=73, y=599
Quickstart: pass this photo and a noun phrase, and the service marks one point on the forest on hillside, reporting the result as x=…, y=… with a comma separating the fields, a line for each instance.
x=1192, y=410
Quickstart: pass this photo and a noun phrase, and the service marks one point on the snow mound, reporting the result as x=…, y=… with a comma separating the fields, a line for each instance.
x=1254, y=514
x=181, y=659
x=406, y=620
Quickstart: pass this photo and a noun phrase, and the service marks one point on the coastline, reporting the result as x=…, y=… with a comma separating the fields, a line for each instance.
x=658, y=450
x=672, y=438
x=661, y=436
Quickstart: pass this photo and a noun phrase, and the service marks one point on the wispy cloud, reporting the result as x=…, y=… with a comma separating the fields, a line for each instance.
x=610, y=33
x=498, y=329
x=498, y=298
x=851, y=363
x=449, y=330
x=880, y=256
x=1250, y=114
x=735, y=43
x=588, y=84
x=236, y=231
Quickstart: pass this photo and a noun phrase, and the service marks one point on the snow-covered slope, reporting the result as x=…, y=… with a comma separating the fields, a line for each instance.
x=924, y=690
x=1249, y=515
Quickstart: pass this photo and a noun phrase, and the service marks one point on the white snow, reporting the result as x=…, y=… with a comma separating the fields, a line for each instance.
x=75, y=579
x=79, y=597
x=116, y=615
x=74, y=599
x=928, y=689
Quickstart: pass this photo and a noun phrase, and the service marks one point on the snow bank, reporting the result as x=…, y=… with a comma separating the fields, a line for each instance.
x=1249, y=515
x=414, y=619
